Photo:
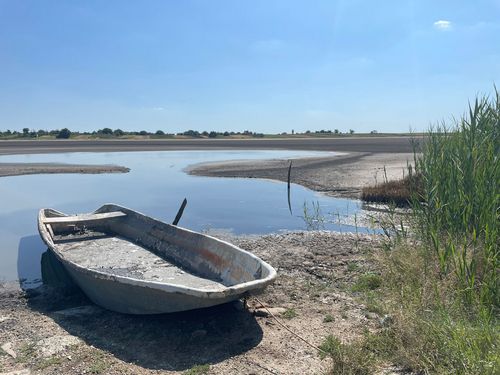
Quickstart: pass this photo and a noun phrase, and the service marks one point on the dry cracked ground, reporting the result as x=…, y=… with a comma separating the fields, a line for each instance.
x=58, y=331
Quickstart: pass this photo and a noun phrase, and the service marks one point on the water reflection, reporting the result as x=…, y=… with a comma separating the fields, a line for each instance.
x=29, y=258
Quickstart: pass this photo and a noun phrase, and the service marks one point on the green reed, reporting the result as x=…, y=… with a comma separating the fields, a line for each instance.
x=460, y=176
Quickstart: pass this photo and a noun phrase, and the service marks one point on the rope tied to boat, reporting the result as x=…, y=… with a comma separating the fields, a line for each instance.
x=288, y=328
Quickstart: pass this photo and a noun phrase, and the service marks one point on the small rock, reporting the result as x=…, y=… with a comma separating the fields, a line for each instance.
x=371, y=315
x=56, y=344
x=261, y=312
x=4, y=318
x=269, y=311
x=7, y=348
x=199, y=333
x=17, y=372
x=386, y=321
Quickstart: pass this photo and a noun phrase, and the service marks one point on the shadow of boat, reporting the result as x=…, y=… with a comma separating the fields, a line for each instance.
x=176, y=341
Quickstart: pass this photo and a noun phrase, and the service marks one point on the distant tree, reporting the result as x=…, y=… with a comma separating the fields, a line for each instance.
x=118, y=132
x=64, y=134
x=143, y=132
x=336, y=131
x=160, y=132
x=107, y=131
x=192, y=133
x=212, y=134
x=351, y=131
x=26, y=132
x=293, y=131
x=374, y=132
x=308, y=132
x=226, y=134
x=42, y=132
x=204, y=133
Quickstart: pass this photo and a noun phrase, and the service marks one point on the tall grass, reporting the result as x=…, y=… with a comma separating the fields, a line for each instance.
x=440, y=284
x=460, y=173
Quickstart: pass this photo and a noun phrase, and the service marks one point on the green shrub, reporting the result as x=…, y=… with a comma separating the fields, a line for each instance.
x=369, y=281
x=64, y=134
x=289, y=314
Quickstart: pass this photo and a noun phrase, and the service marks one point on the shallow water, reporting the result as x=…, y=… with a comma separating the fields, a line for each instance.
x=156, y=185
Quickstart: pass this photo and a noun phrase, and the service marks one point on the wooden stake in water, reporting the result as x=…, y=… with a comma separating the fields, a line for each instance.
x=288, y=187
x=180, y=212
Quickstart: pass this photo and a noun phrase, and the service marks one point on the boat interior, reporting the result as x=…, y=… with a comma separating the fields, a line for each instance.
x=132, y=245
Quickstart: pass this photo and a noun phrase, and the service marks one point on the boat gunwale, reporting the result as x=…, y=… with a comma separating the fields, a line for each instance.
x=222, y=292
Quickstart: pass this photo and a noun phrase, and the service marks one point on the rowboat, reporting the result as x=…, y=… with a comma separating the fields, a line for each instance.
x=131, y=263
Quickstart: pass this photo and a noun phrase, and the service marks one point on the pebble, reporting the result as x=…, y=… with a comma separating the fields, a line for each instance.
x=7, y=348
x=386, y=321
x=273, y=310
x=17, y=372
x=371, y=316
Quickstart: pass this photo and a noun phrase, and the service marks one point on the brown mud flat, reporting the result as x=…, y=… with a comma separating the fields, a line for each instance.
x=17, y=169
x=389, y=144
x=341, y=175
x=55, y=331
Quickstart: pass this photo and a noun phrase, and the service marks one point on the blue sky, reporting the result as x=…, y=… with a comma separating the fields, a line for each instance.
x=268, y=66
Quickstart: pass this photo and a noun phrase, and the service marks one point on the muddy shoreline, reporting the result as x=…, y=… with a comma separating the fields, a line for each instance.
x=340, y=175
x=386, y=144
x=58, y=330
x=365, y=160
x=54, y=330
x=18, y=169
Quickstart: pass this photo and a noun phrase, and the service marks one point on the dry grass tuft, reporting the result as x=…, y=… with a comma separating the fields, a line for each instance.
x=399, y=192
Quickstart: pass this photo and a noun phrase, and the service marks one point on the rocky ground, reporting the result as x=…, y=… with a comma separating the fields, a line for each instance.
x=58, y=331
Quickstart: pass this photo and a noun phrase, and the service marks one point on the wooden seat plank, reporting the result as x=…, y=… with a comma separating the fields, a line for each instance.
x=83, y=218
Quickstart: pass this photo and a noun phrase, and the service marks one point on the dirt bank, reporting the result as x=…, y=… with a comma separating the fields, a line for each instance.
x=349, y=144
x=60, y=331
x=16, y=169
x=341, y=175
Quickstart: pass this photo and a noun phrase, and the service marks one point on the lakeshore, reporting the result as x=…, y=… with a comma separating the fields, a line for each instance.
x=368, y=160
x=57, y=330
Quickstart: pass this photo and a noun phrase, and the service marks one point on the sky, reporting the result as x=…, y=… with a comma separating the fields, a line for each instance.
x=265, y=66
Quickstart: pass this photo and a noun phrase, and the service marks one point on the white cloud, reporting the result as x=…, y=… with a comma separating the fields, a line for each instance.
x=158, y=108
x=442, y=25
